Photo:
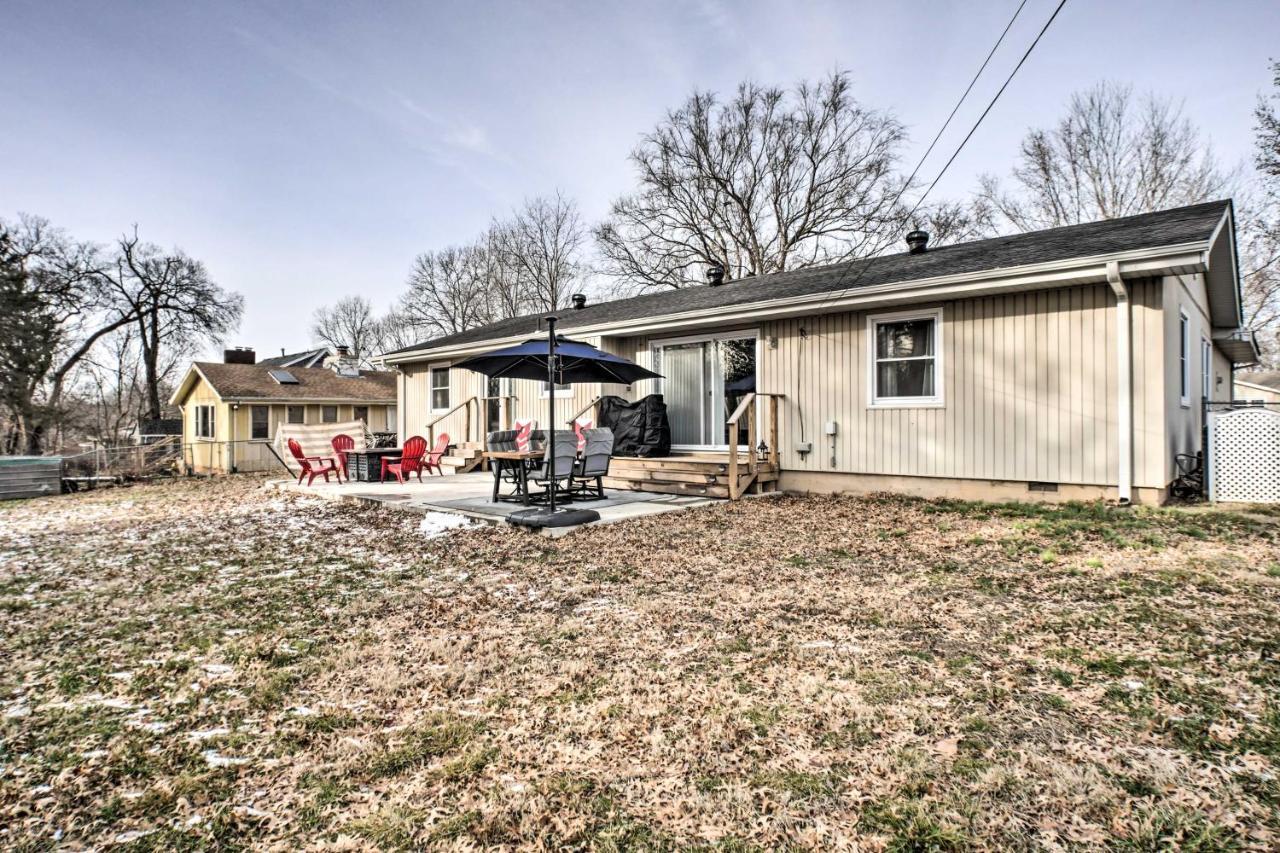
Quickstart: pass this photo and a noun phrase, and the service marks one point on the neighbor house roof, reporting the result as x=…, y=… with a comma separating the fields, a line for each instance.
x=1269, y=379
x=310, y=358
x=1193, y=228
x=315, y=384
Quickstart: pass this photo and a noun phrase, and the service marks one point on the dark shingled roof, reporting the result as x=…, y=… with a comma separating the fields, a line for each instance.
x=1148, y=230
x=253, y=381
x=310, y=358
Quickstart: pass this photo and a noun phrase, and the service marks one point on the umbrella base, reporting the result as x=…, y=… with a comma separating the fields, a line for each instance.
x=544, y=517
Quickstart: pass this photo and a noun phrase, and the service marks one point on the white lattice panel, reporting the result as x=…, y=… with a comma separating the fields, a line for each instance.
x=1244, y=456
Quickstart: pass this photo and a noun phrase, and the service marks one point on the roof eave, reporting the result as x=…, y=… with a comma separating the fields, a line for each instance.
x=1186, y=258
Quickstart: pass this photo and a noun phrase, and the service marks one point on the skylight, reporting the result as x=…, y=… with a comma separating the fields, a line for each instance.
x=284, y=377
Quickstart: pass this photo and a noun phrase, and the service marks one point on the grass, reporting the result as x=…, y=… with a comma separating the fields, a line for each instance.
x=210, y=665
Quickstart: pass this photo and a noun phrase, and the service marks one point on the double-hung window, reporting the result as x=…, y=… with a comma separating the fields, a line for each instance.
x=905, y=359
x=204, y=421
x=439, y=388
x=295, y=414
x=1184, y=358
x=328, y=414
x=259, y=422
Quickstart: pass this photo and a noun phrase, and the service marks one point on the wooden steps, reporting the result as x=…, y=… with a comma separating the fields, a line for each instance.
x=705, y=475
x=462, y=458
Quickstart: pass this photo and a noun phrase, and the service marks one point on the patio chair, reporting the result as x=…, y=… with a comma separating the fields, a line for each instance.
x=565, y=448
x=341, y=444
x=408, y=462
x=593, y=464
x=312, y=466
x=432, y=462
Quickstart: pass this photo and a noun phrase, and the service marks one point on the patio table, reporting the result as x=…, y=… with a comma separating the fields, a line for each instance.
x=512, y=459
x=365, y=466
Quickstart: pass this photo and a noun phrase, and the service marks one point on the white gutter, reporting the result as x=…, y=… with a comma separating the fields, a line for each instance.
x=1124, y=372
x=1169, y=260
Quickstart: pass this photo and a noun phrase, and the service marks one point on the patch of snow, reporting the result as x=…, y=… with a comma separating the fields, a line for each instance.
x=215, y=759
x=436, y=524
x=208, y=734
x=302, y=711
x=1133, y=685
x=41, y=789
x=132, y=835
x=155, y=727
x=17, y=711
x=122, y=675
x=218, y=670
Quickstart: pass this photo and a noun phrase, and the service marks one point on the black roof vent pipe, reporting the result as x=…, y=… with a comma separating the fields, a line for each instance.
x=715, y=275
x=579, y=301
x=917, y=241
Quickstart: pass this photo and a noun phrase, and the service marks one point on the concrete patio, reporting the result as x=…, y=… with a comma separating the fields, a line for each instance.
x=470, y=495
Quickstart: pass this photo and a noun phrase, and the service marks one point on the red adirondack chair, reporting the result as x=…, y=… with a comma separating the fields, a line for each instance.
x=410, y=461
x=341, y=444
x=432, y=462
x=312, y=466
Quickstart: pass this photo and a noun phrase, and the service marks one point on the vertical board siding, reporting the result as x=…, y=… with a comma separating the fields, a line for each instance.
x=1029, y=391
x=1029, y=383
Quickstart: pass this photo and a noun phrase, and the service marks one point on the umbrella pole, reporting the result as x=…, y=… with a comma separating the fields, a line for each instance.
x=551, y=407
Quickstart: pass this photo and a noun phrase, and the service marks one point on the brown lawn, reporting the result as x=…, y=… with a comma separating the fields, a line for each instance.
x=209, y=664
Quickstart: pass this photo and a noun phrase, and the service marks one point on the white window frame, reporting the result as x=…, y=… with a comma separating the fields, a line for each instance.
x=1184, y=358
x=210, y=411
x=1206, y=368
x=937, y=399
x=391, y=418
x=431, y=387
x=561, y=393
x=252, y=409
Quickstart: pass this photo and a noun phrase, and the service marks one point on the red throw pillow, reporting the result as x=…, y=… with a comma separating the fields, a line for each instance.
x=524, y=435
x=580, y=426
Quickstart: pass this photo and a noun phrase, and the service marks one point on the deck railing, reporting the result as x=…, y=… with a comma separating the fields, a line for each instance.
x=466, y=422
x=747, y=408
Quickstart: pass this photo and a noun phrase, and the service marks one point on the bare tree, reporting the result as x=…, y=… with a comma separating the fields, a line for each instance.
x=350, y=323
x=1111, y=155
x=537, y=255
x=174, y=303
x=1260, y=227
x=769, y=181
x=448, y=291
x=57, y=305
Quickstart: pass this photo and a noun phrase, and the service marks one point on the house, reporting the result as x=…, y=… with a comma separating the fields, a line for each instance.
x=1262, y=386
x=1060, y=364
x=232, y=410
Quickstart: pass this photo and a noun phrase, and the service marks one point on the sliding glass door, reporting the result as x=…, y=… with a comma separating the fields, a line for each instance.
x=704, y=381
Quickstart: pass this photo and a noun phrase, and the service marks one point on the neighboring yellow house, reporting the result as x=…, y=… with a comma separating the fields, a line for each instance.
x=1263, y=386
x=231, y=411
x=1068, y=363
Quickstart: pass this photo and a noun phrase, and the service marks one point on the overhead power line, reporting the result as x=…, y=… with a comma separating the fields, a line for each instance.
x=871, y=261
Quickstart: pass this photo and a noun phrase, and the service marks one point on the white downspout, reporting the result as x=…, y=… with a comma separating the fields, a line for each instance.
x=1124, y=371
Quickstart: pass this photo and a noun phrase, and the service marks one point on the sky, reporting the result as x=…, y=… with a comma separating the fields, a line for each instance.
x=306, y=151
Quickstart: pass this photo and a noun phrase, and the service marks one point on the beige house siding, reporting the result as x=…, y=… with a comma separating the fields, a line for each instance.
x=1029, y=389
x=524, y=400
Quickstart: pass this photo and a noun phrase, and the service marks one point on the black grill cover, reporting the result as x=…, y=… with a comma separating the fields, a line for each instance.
x=640, y=428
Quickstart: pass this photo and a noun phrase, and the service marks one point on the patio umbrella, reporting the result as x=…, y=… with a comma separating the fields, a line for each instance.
x=556, y=361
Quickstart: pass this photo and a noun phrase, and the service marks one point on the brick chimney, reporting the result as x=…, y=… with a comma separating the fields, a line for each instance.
x=239, y=355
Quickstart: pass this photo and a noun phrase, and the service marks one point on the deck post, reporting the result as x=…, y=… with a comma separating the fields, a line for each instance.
x=752, y=460
x=733, y=466
x=773, y=431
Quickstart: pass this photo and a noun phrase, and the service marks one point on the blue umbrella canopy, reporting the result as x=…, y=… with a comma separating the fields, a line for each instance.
x=575, y=362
